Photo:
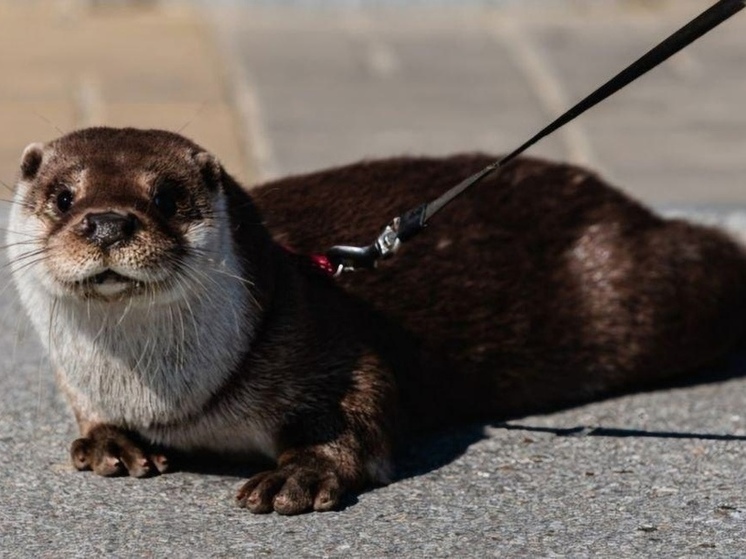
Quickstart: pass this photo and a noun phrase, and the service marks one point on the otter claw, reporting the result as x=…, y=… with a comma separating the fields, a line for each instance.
x=110, y=451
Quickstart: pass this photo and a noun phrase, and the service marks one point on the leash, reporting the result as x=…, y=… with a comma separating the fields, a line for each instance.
x=341, y=258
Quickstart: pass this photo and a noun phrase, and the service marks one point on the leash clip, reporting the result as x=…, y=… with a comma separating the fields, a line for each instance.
x=388, y=241
x=349, y=258
x=401, y=229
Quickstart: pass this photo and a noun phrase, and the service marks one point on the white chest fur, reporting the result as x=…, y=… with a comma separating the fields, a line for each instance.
x=142, y=363
x=145, y=365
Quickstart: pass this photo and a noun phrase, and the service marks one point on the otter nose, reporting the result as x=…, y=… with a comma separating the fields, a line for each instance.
x=108, y=228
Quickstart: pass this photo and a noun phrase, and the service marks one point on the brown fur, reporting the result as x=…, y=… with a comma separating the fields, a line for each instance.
x=541, y=288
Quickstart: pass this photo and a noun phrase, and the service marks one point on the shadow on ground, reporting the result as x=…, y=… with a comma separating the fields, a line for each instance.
x=435, y=451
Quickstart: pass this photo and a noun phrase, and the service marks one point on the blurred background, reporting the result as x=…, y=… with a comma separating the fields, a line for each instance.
x=288, y=86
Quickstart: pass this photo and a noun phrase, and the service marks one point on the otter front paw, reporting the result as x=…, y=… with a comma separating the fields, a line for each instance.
x=110, y=451
x=292, y=489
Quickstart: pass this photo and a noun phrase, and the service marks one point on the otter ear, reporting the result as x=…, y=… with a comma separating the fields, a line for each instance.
x=210, y=168
x=31, y=160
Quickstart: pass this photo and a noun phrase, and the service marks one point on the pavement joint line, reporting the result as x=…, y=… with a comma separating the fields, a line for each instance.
x=257, y=143
x=89, y=103
x=46, y=120
x=546, y=85
x=199, y=110
x=381, y=58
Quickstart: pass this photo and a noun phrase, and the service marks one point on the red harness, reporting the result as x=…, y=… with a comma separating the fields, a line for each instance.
x=317, y=261
x=323, y=263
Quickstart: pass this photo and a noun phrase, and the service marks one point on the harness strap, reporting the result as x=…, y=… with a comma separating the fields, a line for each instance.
x=409, y=224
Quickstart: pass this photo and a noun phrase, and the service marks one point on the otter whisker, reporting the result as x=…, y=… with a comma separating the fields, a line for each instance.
x=218, y=270
x=194, y=275
x=36, y=248
x=26, y=261
x=20, y=233
x=126, y=310
x=101, y=330
x=16, y=203
x=20, y=243
x=53, y=313
x=30, y=242
x=49, y=122
x=201, y=108
x=137, y=365
x=194, y=323
x=7, y=187
x=182, y=341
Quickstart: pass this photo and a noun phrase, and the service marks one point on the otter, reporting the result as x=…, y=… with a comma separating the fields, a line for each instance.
x=182, y=314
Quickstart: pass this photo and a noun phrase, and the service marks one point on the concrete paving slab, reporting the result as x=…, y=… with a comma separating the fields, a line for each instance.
x=337, y=91
x=676, y=134
x=332, y=88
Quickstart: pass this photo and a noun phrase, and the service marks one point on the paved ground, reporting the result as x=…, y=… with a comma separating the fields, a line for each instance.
x=650, y=475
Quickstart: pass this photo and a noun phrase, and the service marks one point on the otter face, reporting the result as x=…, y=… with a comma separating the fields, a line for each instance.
x=116, y=215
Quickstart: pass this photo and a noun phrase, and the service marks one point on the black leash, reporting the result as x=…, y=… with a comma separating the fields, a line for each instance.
x=409, y=224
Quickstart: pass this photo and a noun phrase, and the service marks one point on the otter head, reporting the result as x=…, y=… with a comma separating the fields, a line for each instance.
x=117, y=215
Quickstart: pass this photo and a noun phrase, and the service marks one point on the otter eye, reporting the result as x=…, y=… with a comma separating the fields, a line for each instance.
x=166, y=203
x=64, y=200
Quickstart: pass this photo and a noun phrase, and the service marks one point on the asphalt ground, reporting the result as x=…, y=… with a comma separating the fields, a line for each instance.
x=657, y=474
